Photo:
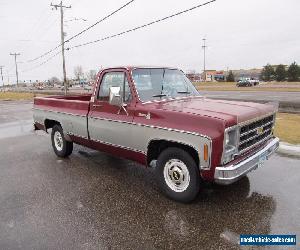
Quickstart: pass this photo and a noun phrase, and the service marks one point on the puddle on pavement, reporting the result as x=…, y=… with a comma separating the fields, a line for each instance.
x=14, y=129
x=230, y=237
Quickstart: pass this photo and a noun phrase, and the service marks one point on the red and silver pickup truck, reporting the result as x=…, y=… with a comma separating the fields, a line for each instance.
x=155, y=116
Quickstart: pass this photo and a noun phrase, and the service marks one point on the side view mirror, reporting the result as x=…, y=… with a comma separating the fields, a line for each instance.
x=114, y=96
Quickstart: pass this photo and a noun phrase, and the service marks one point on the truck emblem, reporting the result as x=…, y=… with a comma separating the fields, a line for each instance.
x=147, y=116
x=259, y=130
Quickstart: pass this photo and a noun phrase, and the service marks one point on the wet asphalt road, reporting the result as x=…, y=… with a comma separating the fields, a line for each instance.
x=96, y=201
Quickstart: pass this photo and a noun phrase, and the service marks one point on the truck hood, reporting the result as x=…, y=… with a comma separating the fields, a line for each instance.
x=231, y=112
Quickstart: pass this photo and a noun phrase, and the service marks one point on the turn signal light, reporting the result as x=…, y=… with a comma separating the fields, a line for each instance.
x=205, y=152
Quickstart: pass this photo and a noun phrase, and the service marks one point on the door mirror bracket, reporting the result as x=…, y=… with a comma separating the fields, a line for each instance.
x=123, y=107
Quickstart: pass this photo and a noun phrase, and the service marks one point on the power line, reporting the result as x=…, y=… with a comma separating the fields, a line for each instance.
x=44, y=62
x=142, y=26
x=101, y=20
x=122, y=33
x=88, y=28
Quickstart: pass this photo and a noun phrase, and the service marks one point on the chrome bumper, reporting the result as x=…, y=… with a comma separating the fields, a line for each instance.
x=231, y=173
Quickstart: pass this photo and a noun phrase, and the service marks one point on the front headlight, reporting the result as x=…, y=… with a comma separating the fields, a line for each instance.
x=230, y=144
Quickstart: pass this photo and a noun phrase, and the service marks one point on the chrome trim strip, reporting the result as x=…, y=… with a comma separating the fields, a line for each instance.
x=229, y=174
x=73, y=134
x=119, y=146
x=59, y=112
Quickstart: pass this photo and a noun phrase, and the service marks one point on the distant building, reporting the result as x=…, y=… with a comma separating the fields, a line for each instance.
x=213, y=76
x=247, y=73
x=220, y=75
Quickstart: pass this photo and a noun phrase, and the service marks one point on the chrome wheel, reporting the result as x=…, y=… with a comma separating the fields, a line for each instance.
x=58, y=141
x=176, y=175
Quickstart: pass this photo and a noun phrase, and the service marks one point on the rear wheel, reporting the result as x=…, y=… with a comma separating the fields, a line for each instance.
x=178, y=175
x=61, y=147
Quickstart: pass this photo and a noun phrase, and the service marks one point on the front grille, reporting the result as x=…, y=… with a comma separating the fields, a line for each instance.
x=255, y=132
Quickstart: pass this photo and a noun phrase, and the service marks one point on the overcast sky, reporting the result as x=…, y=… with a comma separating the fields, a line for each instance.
x=239, y=33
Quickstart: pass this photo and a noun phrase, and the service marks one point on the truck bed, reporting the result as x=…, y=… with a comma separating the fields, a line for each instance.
x=71, y=111
x=74, y=104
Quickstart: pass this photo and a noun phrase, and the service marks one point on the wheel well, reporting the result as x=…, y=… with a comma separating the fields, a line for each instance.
x=155, y=147
x=51, y=123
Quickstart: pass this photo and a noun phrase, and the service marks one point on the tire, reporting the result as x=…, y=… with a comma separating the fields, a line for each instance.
x=178, y=175
x=61, y=147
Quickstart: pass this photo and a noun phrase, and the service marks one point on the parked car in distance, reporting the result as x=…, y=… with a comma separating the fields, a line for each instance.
x=87, y=87
x=247, y=82
x=62, y=88
x=155, y=116
x=79, y=86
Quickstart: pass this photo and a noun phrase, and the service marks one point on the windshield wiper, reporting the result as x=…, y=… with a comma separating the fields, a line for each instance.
x=159, y=95
x=183, y=92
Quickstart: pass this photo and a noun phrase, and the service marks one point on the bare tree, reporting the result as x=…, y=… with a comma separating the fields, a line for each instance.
x=91, y=75
x=54, y=80
x=78, y=72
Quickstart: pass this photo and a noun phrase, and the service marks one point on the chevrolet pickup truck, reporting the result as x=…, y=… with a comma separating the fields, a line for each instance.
x=156, y=117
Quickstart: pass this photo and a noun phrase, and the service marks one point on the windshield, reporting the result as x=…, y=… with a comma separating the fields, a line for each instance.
x=156, y=84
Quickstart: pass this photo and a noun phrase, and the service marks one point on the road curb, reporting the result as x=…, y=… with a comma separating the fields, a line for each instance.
x=289, y=149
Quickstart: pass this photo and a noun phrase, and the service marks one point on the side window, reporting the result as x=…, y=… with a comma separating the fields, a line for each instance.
x=114, y=79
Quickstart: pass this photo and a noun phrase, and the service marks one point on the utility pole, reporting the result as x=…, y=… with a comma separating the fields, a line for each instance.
x=204, y=48
x=17, y=75
x=61, y=6
x=1, y=67
x=7, y=72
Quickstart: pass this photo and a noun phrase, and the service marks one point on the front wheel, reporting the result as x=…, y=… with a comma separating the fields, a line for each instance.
x=61, y=147
x=178, y=175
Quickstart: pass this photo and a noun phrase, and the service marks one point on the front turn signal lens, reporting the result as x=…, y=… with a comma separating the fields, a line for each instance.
x=205, y=152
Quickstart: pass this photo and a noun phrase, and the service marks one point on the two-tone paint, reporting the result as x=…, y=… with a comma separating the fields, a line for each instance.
x=194, y=122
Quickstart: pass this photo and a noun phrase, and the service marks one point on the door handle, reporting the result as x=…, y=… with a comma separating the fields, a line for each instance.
x=97, y=105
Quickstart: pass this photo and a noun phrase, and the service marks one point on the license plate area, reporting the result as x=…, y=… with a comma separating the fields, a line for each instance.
x=262, y=158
